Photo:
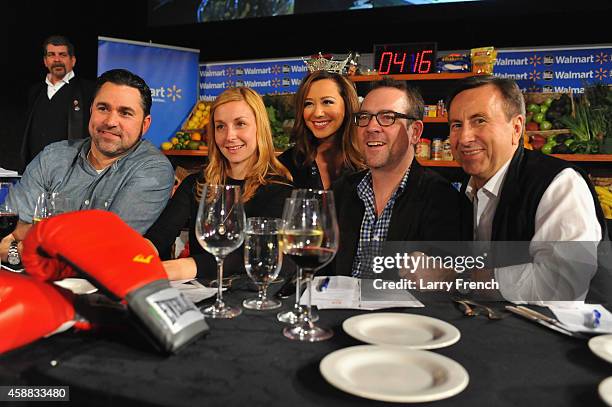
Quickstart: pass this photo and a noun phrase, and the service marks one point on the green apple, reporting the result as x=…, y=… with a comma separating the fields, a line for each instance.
x=533, y=108
x=538, y=117
x=545, y=125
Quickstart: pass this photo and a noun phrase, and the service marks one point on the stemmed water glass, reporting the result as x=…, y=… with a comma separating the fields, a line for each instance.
x=220, y=230
x=50, y=204
x=310, y=239
x=43, y=208
x=263, y=259
x=8, y=214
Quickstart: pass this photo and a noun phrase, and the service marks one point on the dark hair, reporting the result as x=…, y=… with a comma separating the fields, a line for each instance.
x=127, y=78
x=58, y=40
x=416, y=105
x=514, y=103
x=305, y=142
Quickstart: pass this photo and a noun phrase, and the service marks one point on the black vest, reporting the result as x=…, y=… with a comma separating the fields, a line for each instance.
x=49, y=120
x=529, y=175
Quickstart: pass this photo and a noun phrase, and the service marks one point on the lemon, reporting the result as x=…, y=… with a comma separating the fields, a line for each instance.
x=165, y=146
x=174, y=140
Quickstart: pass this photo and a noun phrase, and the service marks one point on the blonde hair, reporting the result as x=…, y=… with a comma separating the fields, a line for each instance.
x=265, y=164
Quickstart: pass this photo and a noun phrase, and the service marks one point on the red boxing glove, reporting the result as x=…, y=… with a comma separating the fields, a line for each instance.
x=31, y=309
x=116, y=259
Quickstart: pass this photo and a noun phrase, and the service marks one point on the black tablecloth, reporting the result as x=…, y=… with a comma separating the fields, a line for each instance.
x=247, y=361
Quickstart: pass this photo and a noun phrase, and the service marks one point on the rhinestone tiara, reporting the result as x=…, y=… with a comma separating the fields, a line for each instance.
x=320, y=63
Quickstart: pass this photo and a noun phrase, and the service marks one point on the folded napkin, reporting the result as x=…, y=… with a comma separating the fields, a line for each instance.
x=194, y=290
x=579, y=317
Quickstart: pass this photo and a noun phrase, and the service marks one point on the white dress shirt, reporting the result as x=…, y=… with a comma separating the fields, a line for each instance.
x=52, y=89
x=566, y=212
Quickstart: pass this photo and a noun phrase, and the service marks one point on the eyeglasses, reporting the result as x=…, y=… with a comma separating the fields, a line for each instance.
x=384, y=118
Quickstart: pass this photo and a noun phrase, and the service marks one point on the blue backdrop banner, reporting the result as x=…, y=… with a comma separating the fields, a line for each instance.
x=556, y=69
x=170, y=72
x=269, y=77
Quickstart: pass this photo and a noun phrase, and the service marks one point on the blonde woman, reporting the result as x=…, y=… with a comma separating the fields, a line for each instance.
x=240, y=152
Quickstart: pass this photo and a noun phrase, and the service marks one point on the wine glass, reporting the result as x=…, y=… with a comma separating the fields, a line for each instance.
x=310, y=240
x=42, y=208
x=8, y=214
x=219, y=229
x=263, y=259
x=61, y=204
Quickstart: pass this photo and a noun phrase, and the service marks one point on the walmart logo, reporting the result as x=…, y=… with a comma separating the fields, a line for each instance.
x=174, y=93
x=163, y=93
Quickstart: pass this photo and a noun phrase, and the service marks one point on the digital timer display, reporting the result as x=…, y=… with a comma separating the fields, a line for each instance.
x=417, y=58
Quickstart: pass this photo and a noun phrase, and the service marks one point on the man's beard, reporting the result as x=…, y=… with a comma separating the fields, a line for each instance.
x=54, y=66
x=117, y=152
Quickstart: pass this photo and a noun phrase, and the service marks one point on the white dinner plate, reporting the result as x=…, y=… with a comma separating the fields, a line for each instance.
x=403, y=330
x=394, y=374
x=77, y=285
x=602, y=346
x=605, y=391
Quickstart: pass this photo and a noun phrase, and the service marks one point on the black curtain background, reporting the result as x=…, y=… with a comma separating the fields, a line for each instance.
x=518, y=23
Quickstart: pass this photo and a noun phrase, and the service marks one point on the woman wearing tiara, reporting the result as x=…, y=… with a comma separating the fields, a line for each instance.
x=322, y=132
x=240, y=152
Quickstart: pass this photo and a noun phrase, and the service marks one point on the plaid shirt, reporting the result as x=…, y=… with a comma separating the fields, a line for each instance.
x=373, y=229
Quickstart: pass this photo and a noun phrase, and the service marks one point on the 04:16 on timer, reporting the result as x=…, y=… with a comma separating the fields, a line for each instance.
x=396, y=62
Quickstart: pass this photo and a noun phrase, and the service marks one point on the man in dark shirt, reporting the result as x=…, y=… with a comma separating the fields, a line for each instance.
x=58, y=109
x=395, y=199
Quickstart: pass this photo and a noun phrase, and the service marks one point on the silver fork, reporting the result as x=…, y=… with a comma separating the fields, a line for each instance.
x=491, y=313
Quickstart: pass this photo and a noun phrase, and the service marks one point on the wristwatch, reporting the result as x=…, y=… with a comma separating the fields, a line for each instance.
x=13, y=254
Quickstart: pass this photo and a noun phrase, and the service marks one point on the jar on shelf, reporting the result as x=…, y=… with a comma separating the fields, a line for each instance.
x=423, y=148
x=447, y=153
x=436, y=149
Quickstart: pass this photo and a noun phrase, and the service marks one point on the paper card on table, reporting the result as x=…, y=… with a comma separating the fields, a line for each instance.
x=347, y=293
x=374, y=297
x=195, y=292
x=579, y=317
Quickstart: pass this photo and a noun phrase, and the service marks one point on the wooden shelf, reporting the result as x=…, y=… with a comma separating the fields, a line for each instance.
x=191, y=153
x=435, y=120
x=593, y=158
x=413, y=77
x=437, y=163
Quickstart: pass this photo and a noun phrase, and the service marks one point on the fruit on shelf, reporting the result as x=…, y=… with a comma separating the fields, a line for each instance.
x=548, y=110
x=183, y=140
x=605, y=199
x=199, y=117
x=545, y=125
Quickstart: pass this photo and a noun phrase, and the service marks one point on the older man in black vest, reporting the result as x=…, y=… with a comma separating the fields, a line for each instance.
x=58, y=108
x=521, y=195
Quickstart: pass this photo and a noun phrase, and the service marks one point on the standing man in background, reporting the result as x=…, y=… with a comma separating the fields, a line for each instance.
x=58, y=108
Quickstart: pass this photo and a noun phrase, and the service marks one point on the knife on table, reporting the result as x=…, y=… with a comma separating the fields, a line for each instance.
x=532, y=317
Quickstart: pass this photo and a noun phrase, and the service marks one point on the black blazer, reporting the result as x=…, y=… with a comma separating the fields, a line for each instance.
x=78, y=112
x=429, y=209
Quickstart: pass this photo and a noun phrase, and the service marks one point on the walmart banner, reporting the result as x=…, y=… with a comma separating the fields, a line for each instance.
x=170, y=72
x=556, y=69
x=266, y=77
